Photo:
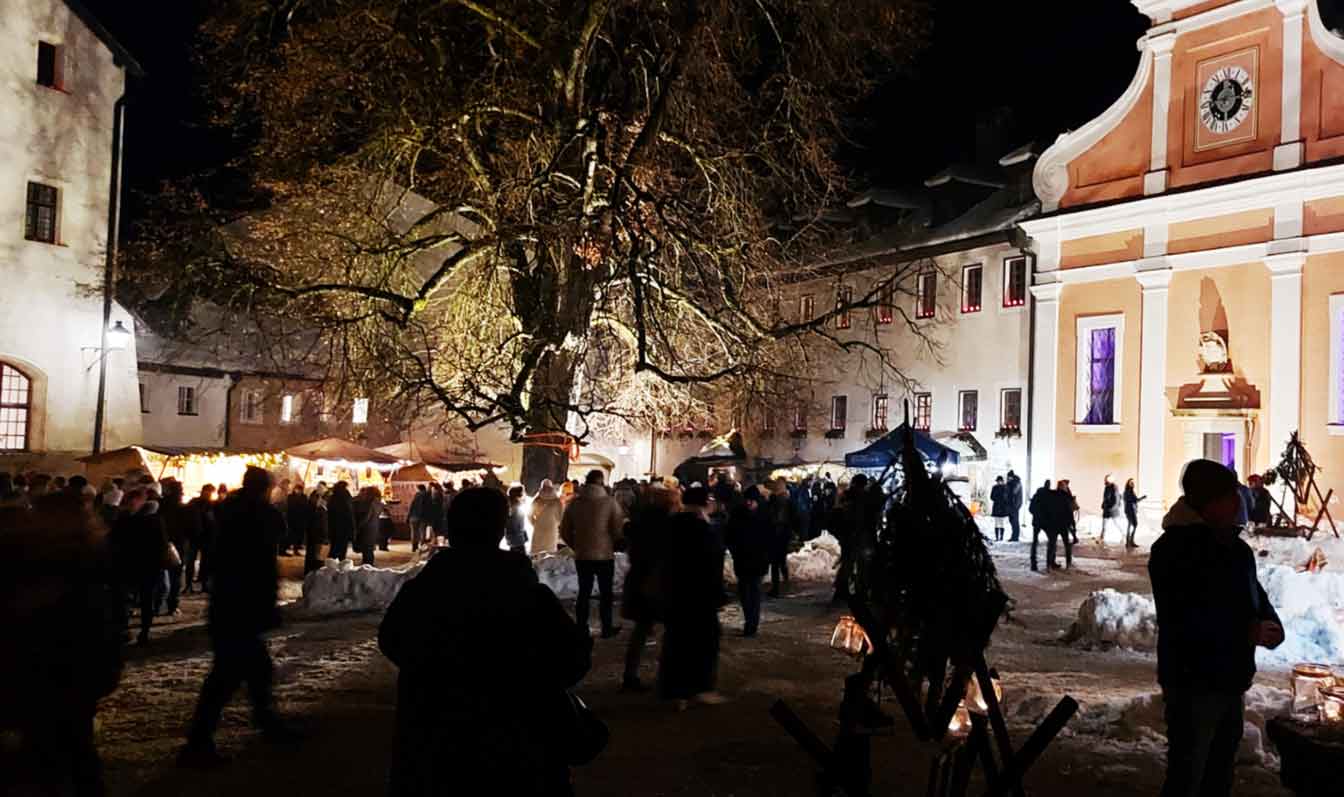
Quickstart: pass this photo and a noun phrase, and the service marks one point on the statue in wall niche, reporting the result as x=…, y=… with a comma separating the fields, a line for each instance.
x=1212, y=354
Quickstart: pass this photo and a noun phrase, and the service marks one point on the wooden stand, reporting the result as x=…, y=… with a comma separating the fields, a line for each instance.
x=1298, y=471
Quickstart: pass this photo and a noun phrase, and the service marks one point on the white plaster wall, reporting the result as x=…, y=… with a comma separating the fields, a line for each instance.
x=985, y=351
x=163, y=426
x=50, y=307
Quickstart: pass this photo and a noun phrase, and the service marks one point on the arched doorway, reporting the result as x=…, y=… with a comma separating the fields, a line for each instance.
x=16, y=408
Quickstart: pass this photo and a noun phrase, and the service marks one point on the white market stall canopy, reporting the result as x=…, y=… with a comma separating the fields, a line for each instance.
x=442, y=459
x=193, y=467
x=338, y=453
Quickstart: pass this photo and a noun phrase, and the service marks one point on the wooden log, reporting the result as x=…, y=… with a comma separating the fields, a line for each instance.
x=964, y=757
x=995, y=712
x=809, y=741
x=1015, y=768
x=951, y=699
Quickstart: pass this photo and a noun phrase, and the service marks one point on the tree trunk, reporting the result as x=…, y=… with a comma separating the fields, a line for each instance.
x=549, y=391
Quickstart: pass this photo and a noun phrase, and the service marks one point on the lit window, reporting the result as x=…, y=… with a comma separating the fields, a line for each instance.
x=800, y=418
x=1335, y=416
x=186, y=400
x=1100, y=344
x=972, y=284
x=15, y=408
x=1014, y=282
x=923, y=411
x=839, y=412
x=291, y=407
x=807, y=308
x=926, y=295
x=843, y=298
x=50, y=69
x=40, y=221
x=968, y=410
x=886, y=304
x=144, y=399
x=251, y=407
x=880, y=411
x=1010, y=408
x=360, y=412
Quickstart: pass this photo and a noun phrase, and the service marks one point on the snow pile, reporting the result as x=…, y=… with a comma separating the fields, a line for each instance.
x=558, y=571
x=1310, y=606
x=1110, y=618
x=817, y=560
x=344, y=587
x=1140, y=720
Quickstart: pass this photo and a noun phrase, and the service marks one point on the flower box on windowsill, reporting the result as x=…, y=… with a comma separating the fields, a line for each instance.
x=835, y=434
x=873, y=434
x=1008, y=433
x=798, y=434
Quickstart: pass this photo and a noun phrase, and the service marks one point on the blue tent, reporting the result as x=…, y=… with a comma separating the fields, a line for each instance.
x=886, y=450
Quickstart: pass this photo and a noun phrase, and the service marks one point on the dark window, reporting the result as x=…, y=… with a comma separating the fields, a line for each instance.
x=969, y=410
x=972, y=284
x=926, y=296
x=923, y=411
x=1015, y=282
x=843, y=297
x=49, y=71
x=886, y=309
x=40, y=223
x=839, y=412
x=806, y=308
x=15, y=408
x=800, y=418
x=1010, y=408
x=186, y=401
x=879, y=412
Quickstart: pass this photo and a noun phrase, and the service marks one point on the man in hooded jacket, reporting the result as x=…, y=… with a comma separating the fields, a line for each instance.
x=1211, y=615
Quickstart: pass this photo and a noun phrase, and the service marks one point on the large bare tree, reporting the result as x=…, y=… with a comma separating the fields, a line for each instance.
x=530, y=211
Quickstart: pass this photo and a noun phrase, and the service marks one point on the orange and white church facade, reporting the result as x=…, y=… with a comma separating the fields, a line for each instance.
x=1189, y=282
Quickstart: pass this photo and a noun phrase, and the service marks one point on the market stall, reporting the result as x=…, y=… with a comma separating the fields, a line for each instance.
x=884, y=452
x=332, y=459
x=447, y=465
x=722, y=454
x=193, y=467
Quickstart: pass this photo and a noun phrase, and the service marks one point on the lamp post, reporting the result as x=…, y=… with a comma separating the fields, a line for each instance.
x=114, y=338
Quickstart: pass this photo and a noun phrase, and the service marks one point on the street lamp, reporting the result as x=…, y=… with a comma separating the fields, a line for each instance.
x=118, y=337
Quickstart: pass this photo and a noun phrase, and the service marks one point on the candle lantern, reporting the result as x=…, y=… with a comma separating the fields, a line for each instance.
x=975, y=700
x=1332, y=704
x=849, y=637
x=1308, y=681
x=960, y=726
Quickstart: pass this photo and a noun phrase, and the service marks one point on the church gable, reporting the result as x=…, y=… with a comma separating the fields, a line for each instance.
x=1223, y=90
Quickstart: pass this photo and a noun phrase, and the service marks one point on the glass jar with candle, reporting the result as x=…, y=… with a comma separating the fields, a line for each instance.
x=1332, y=705
x=1308, y=681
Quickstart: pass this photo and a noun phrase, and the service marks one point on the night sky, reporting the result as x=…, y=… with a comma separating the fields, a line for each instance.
x=1038, y=68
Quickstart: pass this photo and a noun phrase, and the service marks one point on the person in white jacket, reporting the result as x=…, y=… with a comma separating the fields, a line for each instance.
x=546, y=513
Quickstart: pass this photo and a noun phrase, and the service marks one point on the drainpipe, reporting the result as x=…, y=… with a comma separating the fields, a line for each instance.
x=110, y=268
x=1031, y=365
x=235, y=379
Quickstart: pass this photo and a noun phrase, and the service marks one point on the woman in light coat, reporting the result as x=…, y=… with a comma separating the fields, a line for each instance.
x=547, y=510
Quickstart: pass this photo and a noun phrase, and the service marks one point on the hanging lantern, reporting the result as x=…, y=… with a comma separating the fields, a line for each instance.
x=975, y=700
x=850, y=638
x=960, y=726
x=1307, y=682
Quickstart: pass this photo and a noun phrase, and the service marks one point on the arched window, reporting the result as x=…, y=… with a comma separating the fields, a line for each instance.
x=16, y=398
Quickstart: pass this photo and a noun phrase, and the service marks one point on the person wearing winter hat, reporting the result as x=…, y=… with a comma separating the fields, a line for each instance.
x=1212, y=613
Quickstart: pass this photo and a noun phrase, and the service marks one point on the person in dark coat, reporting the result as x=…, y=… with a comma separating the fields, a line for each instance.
x=242, y=608
x=849, y=525
x=298, y=516
x=1059, y=523
x=1260, y=500
x=418, y=515
x=1110, y=507
x=203, y=507
x=1014, y=485
x=485, y=655
x=1211, y=615
x=183, y=527
x=1131, y=499
x=751, y=537
x=63, y=612
x=998, y=506
x=340, y=521
x=688, y=665
x=643, y=598
x=140, y=550
x=368, y=508
x=783, y=521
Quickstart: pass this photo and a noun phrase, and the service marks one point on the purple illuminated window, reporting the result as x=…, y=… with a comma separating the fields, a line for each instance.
x=1101, y=377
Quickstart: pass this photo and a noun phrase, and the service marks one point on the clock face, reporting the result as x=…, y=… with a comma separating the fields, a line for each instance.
x=1227, y=99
